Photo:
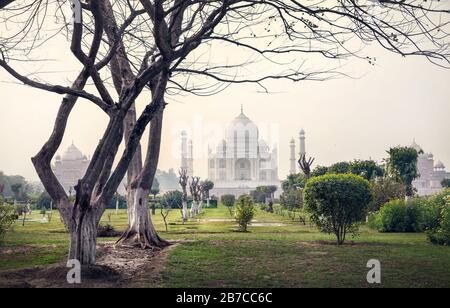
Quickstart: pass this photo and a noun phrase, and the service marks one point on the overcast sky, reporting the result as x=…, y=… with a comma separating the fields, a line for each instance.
x=390, y=104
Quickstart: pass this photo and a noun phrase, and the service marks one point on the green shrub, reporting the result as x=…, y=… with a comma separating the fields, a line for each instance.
x=263, y=207
x=245, y=211
x=7, y=218
x=338, y=203
x=172, y=199
x=441, y=234
x=292, y=199
x=228, y=201
x=278, y=209
x=415, y=215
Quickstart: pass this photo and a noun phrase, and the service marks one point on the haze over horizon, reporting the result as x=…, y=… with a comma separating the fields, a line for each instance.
x=393, y=102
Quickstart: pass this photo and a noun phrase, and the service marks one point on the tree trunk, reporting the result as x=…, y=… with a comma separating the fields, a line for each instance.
x=194, y=208
x=83, y=236
x=184, y=212
x=141, y=231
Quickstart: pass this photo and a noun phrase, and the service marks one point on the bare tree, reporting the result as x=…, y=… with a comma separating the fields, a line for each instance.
x=184, y=183
x=165, y=47
x=196, y=193
x=305, y=165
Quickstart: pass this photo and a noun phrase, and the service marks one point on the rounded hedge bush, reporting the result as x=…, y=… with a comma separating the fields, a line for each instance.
x=337, y=203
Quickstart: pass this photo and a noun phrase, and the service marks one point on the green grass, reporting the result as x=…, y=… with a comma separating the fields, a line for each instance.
x=216, y=255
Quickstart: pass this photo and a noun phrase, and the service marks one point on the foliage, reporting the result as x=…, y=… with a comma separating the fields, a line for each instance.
x=384, y=190
x=294, y=181
x=440, y=235
x=402, y=165
x=207, y=186
x=367, y=169
x=319, y=170
x=245, y=211
x=228, y=201
x=172, y=199
x=445, y=183
x=292, y=200
x=339, y=168
x=44, y=201
x=22, y=209
x=338, y=203
x=155, y=188
x=414, y=215
x=258, y=196
x=122, y=202
x=7, y=217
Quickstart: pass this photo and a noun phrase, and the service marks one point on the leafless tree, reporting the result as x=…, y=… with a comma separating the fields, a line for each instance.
x=184, y=179
x=168, y=47
x=305, y=165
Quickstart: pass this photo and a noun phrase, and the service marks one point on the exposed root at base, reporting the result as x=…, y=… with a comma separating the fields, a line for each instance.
x=142, y=240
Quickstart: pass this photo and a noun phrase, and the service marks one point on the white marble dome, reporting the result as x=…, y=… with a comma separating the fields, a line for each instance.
x=73, y=153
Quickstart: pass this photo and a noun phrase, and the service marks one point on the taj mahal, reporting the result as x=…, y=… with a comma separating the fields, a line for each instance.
x=240, y=162
x=70, y=167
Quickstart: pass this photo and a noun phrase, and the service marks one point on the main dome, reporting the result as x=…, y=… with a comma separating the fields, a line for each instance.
x=72, y=153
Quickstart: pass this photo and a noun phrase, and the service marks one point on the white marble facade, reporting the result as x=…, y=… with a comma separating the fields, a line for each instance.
x=431, y=173
x=70, y=167
x=242, y=161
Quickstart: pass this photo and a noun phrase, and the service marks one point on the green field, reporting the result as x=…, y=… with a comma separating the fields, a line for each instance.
x=276, y=252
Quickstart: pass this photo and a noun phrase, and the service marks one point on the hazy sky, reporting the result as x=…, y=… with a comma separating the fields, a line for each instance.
x=391, y=104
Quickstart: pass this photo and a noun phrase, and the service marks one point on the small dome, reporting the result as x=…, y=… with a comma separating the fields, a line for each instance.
x=302, y=132
x=72, y=153
x=439, y=165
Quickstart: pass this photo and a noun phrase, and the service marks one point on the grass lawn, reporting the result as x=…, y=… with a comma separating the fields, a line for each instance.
x=276, y=252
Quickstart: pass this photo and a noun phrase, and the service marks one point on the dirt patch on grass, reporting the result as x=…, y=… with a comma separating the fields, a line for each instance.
x=268, y=224
x=23, y=249
x=117, y=267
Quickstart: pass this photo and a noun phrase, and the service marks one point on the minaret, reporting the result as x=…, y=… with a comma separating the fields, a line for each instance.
x=190, y=159
x=184, y=150
x=293, y=169
x=187, y=155
x=302, y=143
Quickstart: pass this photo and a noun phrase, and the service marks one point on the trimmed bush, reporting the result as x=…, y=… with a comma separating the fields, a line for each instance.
x=245, y=211
x=338, y=203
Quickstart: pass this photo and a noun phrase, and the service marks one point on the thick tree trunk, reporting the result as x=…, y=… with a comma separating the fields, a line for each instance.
x=141, y=231
x=83, y=236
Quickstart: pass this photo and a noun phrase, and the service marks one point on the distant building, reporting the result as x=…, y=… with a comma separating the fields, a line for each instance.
x=431, y=173
x=187, y=154
x=242, y=161
x=70, y=167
